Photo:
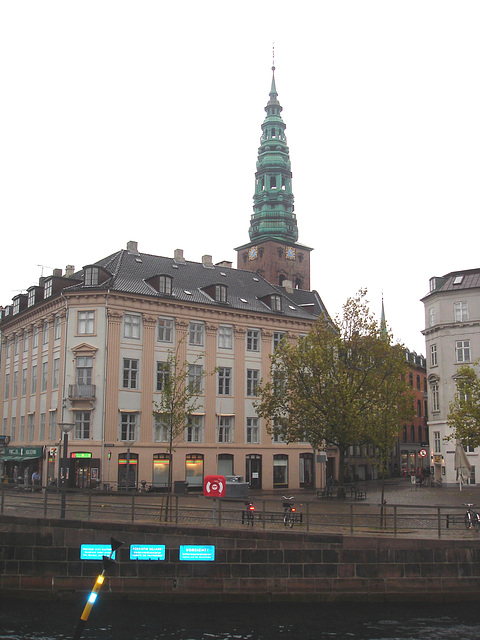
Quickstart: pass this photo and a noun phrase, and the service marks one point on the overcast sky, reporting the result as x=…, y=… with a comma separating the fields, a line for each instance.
x=141, y=121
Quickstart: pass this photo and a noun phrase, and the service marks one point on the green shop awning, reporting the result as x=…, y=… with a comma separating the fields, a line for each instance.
x=18, y=454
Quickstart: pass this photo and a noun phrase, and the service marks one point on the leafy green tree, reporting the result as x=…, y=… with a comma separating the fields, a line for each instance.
x=464, y=411
x=341, y=385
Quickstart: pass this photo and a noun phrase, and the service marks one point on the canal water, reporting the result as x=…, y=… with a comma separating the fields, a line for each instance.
x=29, y=620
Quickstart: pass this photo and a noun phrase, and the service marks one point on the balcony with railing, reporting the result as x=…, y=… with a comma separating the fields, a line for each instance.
x=81, y=391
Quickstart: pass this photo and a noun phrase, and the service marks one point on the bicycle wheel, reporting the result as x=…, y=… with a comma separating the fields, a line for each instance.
x=476, y=521
x=285, y=518
x=468, y=520
x=291, y=520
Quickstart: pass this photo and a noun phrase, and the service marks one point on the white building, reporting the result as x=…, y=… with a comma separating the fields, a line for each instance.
x=452, y=336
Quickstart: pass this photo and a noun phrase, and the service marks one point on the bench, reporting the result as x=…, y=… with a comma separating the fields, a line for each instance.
x=358, y=494
x=270, y=516
x=328, y=492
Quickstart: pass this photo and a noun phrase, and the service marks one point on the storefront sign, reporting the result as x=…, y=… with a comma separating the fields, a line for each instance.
x=80, y=454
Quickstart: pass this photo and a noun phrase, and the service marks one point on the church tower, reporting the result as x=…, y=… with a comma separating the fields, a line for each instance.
x=273, y=250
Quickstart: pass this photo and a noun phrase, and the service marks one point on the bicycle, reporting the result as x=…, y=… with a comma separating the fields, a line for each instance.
x=248, y=513
x=289, y=511
x=472, y=518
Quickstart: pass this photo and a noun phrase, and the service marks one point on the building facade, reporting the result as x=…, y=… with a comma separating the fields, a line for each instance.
x=452, y=337
x=89, y=349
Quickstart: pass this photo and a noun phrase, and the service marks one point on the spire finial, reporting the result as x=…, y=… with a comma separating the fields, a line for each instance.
x=273, y=56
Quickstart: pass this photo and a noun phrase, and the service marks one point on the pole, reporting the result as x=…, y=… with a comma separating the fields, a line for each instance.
x=63, y=498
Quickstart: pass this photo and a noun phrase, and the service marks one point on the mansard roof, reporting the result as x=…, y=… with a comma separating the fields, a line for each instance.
x=454, y=281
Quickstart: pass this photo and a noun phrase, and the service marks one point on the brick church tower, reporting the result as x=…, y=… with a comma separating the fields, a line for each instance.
x=273, y=250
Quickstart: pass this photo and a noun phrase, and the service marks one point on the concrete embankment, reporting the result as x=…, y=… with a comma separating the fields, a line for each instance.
x=41, y=558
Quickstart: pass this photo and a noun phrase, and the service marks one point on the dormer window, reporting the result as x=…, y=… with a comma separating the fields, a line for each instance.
x=48, y=288
x=91, y=276
x=220, y=293
x=165, y=285
x=16, y=306
x=275, y=303
x=31, y=297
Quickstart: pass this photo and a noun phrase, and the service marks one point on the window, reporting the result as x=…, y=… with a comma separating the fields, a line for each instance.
x=194, y=430
x=436, y=442
x=462, y=349
x=163, y=373
x=224, y=381
x=435, y=397
x=41, y=435
x=31, y=298
x=130, y=373
x=57, y=328
x=433, y=355
x=165, y=285
x=418, y=382
x=195, y=376
x=82, y=425
x=52, y=425
x=7, y=385
x=276, y=303
x=277, y=436
x=16, y=344
x=253, y=376
x=252, y=435
x=14, y=384
x=460, y=310
x=410, y=379
x=24, y=382
x=225, y=429
x=161, y=428
x=13, y=425
x=280, y=470
x=196, y=334
x=128, y=427
x=91, y=276
x=86, y=322
x=44, y=376
x=220, y=293
x=45, y=332
x=431, y=313
x=419, y=409
x=48, y=288
x=34, y=379
x=225, y=337
x=56, y=373
x=21, y=435
x=131, y=326
x=277, y=338
x=35, y=336
x=253, y=340
x=165, y=330
x=25, y=341
x=31, y=426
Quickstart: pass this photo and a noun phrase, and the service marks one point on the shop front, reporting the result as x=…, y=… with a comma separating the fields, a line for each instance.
x=84, y=470
x=21, y=463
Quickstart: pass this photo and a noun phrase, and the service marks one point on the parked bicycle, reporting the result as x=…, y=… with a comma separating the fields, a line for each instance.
x=248, y=513
x=289, y=511
x=472, y=518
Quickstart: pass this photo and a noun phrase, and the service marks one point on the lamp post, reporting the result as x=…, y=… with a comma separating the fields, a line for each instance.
x=66, y=427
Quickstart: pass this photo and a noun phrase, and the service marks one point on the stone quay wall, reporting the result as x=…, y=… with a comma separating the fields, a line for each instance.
x=41, y=559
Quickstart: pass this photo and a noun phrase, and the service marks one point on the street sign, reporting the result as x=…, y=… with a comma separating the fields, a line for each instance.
x=422, y=453
x=214, y=486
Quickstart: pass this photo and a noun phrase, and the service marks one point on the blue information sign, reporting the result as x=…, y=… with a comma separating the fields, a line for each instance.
x=95, y=551
x=197, y=552
x=147, y=552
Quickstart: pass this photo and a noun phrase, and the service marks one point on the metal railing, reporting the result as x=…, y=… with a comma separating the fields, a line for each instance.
x=76, y=391
x=160, y=508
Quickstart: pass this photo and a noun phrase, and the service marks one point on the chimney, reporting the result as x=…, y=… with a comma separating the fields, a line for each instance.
x=178, y=255
x=224, y=263
x=41, y=280
x=132, y=246
x=288, y=285
x=207, y=261
x=69, y=270
x=57, y=273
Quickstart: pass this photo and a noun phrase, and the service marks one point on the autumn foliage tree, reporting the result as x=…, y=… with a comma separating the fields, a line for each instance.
x=464, y=411
x=341, y=385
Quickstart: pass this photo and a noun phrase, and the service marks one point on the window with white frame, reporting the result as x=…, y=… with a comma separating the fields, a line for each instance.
x=16, y=344
x=13, y=428
x=195, y=378
x=44, y=376
x=253, y=377
x=35, y=336
x=48, y=288
x=196, y=333
x=83, y=370
x=33, y=386
x=91, y=276
x=45, y=332
x=225, y=337
x=31, y=298
x=253, y=431
x=277, y=338
x=21, y=433
x=165, y=285
x=253, y=340
x=163, y=374
x=52, y=425
x=41, y=435
x=161, y=428
x=225, y=429
x=277, y=436
x=431, y=315
x=31, y=426
x=224, y=381
x=14, y=384
x=433, y=355
x=85, y=322
x=462, y=350
x=194, y=429
x=275, y=302
x=130, y=373
x=57, y=328
x=165, y=330
x=25, y=341
x=55, y=373
x=220, y=293
x=24, y=382
x=128, y=427
x=82, y=425
x=460, y=310
x=437, y=447
x=435, y=397
x=16, y=306
x=131, y=326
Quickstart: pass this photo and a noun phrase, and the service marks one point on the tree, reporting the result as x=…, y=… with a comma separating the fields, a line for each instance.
x=180, y=383
x=464, y=411
x=341, y=385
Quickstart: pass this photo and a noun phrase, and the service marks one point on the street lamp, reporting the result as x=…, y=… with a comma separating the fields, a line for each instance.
x=66, y=427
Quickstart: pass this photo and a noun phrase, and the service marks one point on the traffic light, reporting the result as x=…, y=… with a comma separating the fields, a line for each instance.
x=109, y=455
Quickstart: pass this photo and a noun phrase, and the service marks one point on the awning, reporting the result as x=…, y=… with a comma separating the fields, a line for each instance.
x=19, y=454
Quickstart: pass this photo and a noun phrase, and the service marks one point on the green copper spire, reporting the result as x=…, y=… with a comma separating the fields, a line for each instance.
x=273, y=216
